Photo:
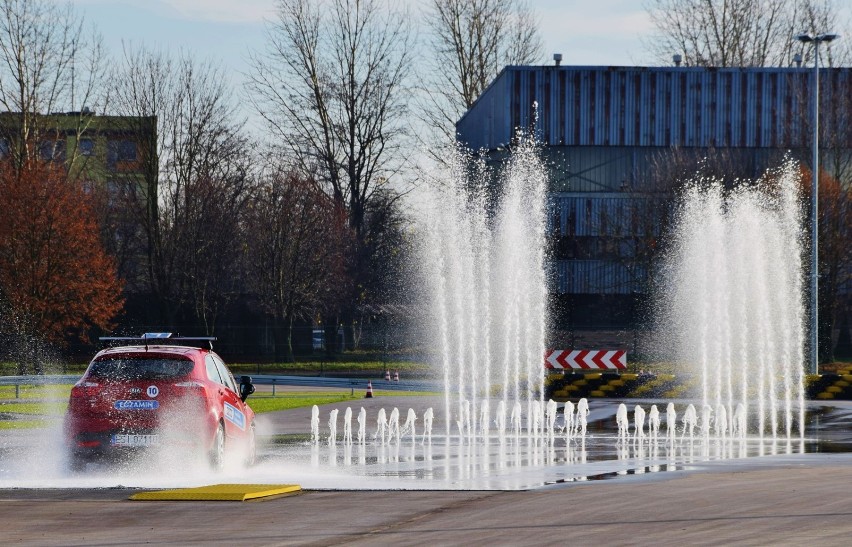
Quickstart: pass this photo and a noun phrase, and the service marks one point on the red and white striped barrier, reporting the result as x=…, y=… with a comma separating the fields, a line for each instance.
x=585, y=359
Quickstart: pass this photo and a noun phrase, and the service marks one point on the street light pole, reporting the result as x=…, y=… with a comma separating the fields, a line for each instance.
x=816, y=40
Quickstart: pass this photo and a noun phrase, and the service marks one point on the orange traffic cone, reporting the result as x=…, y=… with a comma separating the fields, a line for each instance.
x=387, y=376
x=396, y=376
x=369, y=394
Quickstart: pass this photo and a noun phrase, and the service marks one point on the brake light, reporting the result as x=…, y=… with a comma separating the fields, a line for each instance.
x=88, y=444
x=85, y=389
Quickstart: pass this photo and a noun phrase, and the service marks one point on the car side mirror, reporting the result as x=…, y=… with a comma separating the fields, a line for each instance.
x=246, y=387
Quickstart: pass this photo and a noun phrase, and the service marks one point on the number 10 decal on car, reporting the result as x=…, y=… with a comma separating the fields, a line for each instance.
x=233, y=415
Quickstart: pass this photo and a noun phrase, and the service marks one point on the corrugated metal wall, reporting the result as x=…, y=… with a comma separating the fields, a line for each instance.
x=595, y=215
x=604, y=128
x=594, y=277
x=623, y=169
x=659, y=106
x=612, y=220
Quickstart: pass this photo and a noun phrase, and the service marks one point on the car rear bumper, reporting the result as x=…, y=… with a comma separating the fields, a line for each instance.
x=120, y=444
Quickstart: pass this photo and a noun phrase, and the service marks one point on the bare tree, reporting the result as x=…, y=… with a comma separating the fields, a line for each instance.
x=816, y=17
x=212, y=245
x=728, y=33
x=194, y=164
x=387, y=250
x=331, y=85
x=470, y=42
x=47, y=64
x=296, y=251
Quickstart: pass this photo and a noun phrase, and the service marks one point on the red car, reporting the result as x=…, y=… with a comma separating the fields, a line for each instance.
x=157, y=394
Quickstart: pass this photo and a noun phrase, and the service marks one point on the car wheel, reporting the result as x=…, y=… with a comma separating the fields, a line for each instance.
x=76, y=463
x=217, y=451
x=251, y=453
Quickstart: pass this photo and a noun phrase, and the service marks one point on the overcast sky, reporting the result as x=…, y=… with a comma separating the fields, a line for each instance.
x=585, y=32
x=603, y=32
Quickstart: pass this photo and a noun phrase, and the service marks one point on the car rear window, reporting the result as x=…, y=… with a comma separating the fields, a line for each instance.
x=140, y=368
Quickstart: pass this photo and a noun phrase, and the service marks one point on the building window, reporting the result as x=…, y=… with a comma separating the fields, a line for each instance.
x=5, y=149
x=120, y=151
x=52, y=150
x=87, y=147
x=120, y=191
x=127, y=151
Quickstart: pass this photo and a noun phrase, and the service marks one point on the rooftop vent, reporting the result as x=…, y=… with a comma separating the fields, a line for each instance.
x=557, y=58
x=677, y=59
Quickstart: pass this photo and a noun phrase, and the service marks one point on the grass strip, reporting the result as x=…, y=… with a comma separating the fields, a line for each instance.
x=43, y=409
x=299, y=399
x=24, y=424
x=58, y=391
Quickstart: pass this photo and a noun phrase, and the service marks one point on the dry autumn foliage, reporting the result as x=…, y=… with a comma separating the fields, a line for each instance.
x=835, y=253
x=54, y=274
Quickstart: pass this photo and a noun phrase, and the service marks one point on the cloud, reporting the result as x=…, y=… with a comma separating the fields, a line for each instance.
x=217, y=11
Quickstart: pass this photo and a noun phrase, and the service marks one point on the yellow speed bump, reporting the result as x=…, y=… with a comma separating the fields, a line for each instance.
x=219, y=492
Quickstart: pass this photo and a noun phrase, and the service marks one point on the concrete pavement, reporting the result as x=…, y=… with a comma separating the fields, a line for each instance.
x=789, y=505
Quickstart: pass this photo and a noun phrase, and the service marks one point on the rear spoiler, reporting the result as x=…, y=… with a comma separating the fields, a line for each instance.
x=159, y=339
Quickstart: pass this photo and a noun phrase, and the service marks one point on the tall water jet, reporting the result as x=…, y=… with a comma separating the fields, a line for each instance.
x=732, y=301
x=485, y=263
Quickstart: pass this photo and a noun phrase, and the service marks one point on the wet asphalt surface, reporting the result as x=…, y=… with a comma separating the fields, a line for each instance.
x=787, y=499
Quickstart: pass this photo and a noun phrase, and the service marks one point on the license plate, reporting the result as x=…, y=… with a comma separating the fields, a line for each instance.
x=129, y=439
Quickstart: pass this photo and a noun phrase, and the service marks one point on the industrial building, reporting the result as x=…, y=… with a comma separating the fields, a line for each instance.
x=618, y=140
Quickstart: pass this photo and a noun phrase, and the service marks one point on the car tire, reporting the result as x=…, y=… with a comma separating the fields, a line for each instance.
x=217, y=451
x=76, y=463
x=251, y=450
